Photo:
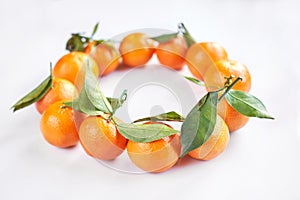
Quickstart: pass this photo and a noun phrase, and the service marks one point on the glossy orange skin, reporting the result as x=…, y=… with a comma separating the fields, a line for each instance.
x=233, y=118
x=72, y=67
x=58, y=126
x=156, y=156
x=101, y=139
x=61, y=90
x=172, y=53
x=215, y=75
x=215, y=144
x=136, y=49
x=105, y=55
x=214, y=78
x=201, y=56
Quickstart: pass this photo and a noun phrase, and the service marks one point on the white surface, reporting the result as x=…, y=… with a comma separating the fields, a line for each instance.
x=262, y=160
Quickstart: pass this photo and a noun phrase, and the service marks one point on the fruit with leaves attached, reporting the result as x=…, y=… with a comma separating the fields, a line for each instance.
x=215, y=79
x=215, y=144
x=61, y=89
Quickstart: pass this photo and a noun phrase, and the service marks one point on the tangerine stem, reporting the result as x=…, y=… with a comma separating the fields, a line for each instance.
x=229, y=88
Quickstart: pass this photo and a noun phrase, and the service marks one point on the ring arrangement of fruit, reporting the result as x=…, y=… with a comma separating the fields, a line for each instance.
x=74, y=109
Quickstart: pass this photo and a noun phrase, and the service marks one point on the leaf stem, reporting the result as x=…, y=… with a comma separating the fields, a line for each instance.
x=229, y=88
x=122, y=98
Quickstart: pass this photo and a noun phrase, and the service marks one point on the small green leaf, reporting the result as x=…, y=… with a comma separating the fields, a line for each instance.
x=247, y=104
x=95, y=30
x=196, y=81
x=145, y=132
x=169, y=116
x=199, y=123
x=94, y=94
x=117, y=102
x=75, y=43
x=165, y=37
x=186, y=34
x=114, y=102
x=35, y=95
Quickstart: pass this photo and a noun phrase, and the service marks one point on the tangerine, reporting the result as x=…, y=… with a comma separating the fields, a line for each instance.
x=136, y=49
x=58, y=125
x=101, y=139
x=201, y=56
x=155, y=156
x=172, y=53
x=215, y=144
x=214, y=79
x=106, y=56
x=61, y=90
x=72, y=67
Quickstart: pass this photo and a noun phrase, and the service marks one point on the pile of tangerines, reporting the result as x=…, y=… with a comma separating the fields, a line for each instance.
x=74, y=111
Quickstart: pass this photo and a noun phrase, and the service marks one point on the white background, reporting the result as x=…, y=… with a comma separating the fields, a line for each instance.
x=262, y=160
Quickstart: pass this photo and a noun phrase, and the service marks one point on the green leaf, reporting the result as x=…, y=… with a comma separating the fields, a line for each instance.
x=196, y=81
x=247, y=104
x=91, y=101
x=86, y=106
x=186, y=34
x=199, y=123
x=169, y=116
x=165, y=37
x=35, y=95
x=75, y=43
x=145, y=132
x=117, y=102
x=114, y=102
x=74, y=104
x=94, y=94
x=95, y=29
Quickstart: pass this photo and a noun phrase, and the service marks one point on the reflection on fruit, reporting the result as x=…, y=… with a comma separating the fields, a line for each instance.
x=61, y=90
x=136, y=49
x=215, y=144
x=58, y=126
x=156, y=156
x=201, y=56
x=101, y=139
x=172, y=53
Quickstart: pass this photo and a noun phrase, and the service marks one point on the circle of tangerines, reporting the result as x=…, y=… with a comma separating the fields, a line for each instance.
x=74, y=108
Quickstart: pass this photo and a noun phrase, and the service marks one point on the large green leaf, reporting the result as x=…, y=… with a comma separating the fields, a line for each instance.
x=247, y=104
x=199, y=123
x=94, y=93
x=35, y=95
x=145, y=132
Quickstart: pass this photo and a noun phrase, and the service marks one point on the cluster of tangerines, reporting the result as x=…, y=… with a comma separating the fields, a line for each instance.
x=153, y=146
